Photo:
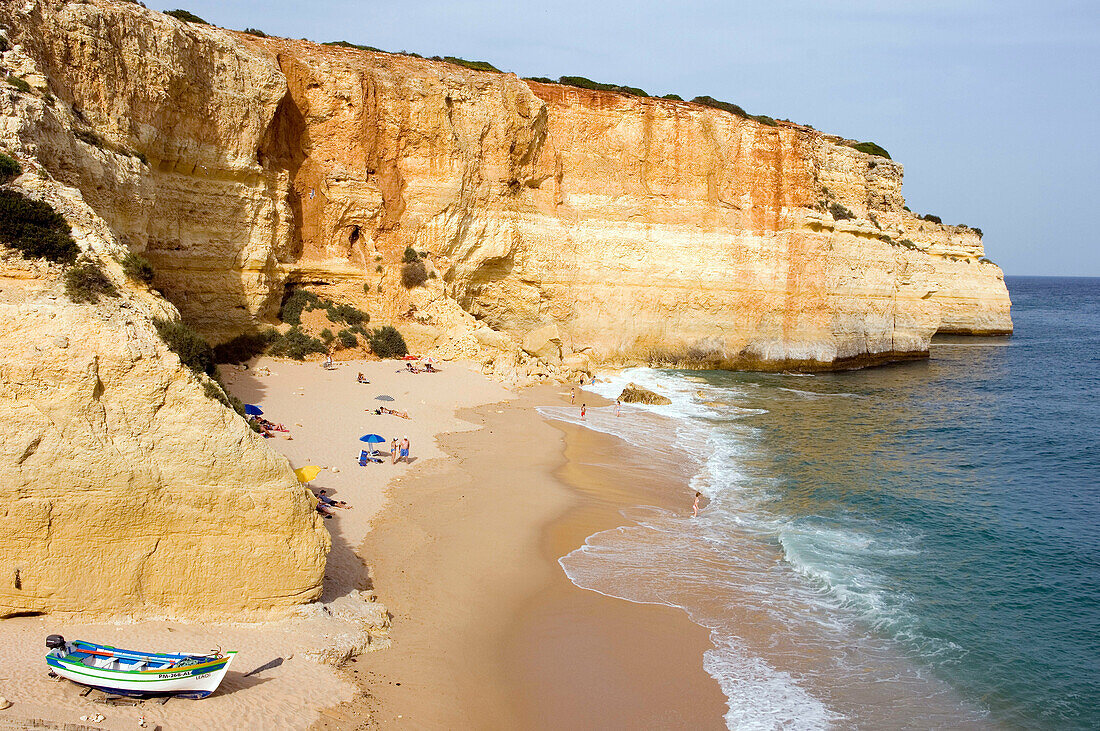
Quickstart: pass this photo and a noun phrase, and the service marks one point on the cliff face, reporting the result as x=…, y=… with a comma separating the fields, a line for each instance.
x=126, y=490
x=124, y=487
x=582, y=226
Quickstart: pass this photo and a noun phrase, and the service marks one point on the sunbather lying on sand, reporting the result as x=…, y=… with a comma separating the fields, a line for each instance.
x=330, y=503
x=384, y=410
x=268, y=428
x=362, y=379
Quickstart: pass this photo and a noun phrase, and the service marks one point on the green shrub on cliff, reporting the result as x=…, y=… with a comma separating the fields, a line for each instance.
x=673, y=97
x=584, y=83
x=839, y=212
x=410, y=255
x=295, y=343
x=19, y=84
x=138, y=268
x=931, y=218
x=413, y=274
x=474, y=65
x=386, y=342
x=346, y=313
x=347, y=338
x=86, y=282
x=35, y=229
x=185, y=16
x=345, y=44
x=245, y=346
x=255, y=32
x=300, y=300
x=709, y=101
x=194, y=352
x=869, y=148
x=215, y=391
x=10, y=169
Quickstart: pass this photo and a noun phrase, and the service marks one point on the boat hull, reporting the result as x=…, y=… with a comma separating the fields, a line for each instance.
x=196, y=680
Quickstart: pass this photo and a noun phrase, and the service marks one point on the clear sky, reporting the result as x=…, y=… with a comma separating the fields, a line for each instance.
x=993, y=106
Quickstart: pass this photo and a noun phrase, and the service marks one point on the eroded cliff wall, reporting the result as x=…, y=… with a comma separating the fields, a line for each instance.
x=579, y=226
x=125, y=487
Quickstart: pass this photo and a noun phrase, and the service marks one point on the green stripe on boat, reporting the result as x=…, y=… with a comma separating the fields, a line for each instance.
x=130, y=673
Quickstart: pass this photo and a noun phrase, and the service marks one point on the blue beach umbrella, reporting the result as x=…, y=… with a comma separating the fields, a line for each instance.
x=372, y=439
x=252, y=410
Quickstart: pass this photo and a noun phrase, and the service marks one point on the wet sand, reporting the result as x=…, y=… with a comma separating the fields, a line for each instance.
x=487, y=631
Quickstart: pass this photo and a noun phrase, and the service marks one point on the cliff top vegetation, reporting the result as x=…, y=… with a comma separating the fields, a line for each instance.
x=10, y=169
x=580, y=82
x=186, y=16
x=870, y=148
x=35, y=229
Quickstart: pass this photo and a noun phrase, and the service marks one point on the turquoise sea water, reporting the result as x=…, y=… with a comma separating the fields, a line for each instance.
x=909, y=546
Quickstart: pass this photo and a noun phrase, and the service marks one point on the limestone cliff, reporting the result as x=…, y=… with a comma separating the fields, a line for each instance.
x=567, y=226
x=125, y=489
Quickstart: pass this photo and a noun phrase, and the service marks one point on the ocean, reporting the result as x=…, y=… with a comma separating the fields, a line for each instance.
x=910, y=546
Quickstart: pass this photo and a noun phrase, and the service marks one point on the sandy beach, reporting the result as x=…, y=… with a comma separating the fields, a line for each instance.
x=459, y=546
x=487, y=630
x=326, y=411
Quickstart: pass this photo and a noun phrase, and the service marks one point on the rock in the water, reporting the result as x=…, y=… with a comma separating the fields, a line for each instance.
x=635, y=394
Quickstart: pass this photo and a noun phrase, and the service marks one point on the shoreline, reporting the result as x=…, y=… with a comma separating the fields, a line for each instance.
x=487, y=629
x=459, y=549
x=648, y=657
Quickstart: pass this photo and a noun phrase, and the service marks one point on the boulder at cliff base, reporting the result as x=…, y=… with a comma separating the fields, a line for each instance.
x=635, y=394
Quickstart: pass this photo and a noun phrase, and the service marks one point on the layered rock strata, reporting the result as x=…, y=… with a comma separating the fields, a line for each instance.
x=126, y=488
x=566, y=226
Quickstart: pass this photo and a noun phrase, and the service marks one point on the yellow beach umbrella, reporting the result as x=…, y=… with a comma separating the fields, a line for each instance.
x=307, y=473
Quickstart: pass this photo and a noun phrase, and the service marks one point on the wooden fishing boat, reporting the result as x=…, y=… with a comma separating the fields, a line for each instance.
x=128, y=672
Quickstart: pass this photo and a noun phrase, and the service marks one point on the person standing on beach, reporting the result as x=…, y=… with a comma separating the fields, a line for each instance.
x=618, y=408
x=572, y=395
x=695, y=507
x=405, y=449
x=583, y=409
x=393, y=451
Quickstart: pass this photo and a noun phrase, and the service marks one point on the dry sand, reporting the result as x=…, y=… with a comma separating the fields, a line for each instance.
x=326, y=411
x=487, y=631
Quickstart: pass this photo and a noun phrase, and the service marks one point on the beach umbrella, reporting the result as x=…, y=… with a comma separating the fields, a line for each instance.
x=252, y=410
x=372, y=439
x=307, y=473
x=383, y=397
